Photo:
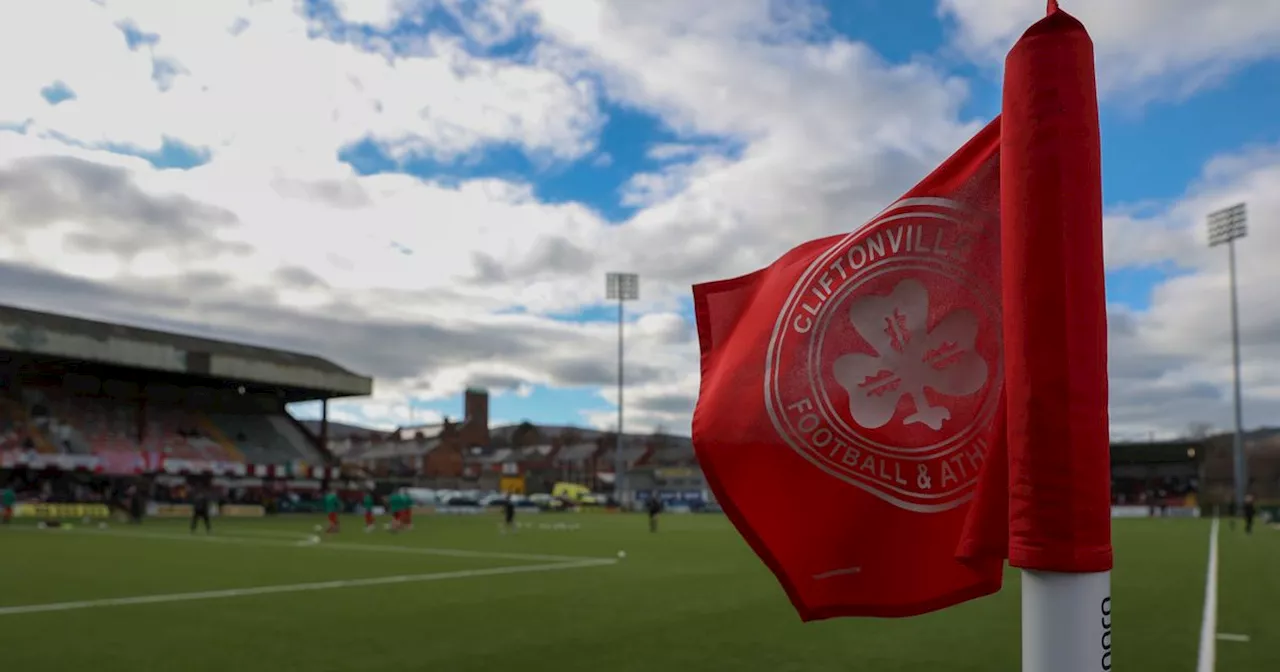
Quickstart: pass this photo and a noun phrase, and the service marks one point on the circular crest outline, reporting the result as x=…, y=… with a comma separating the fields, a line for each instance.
x=775, y=404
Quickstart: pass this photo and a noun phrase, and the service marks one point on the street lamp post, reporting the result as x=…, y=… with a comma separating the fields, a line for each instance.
x=621, y=287
x=1225, y=227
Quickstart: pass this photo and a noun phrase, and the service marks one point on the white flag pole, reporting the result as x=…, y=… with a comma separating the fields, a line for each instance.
x=1066, y=622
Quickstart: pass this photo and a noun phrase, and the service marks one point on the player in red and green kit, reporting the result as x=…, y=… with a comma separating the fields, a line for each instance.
x=396, y=503
x=331, y=507
x=7, y=500
x=406, y=514
x=370, y=524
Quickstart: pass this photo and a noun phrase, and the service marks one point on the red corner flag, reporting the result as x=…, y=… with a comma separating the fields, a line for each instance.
x=850, y=393
x=1054, y=297
x=852, y=413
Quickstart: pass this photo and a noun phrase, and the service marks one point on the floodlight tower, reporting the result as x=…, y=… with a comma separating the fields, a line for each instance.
x=621, y=287
x=1225, y=227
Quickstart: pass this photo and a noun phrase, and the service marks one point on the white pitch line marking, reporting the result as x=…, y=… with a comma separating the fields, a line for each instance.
x=295, y=588
x=309, y=541
x=334, y=546
x=1228, y=637
x=1209, y=621
x=456, y=553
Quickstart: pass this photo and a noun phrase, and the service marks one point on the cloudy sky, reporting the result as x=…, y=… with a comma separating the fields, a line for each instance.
x=431, y=191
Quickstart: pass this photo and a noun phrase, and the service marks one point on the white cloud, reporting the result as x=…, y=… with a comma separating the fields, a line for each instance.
x=377, y=13
x=1171, y=362
x=382, y=413
x=435, y=285
x=252, y=81
x=1144, y=48
x=825, y=132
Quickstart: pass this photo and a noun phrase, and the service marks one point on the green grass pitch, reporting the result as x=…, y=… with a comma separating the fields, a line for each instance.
x=265, y=595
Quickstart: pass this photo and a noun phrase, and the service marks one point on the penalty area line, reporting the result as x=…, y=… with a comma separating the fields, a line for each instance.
x=295, y=588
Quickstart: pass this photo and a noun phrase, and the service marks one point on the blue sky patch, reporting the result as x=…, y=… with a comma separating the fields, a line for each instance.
x=57, y=92
x=1132, y=287
x=899, y=31
x=172, y=154
x=595, y=180
x=135, y=37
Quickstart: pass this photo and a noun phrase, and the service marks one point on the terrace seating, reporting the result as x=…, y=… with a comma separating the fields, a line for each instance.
x=265, y=439
x=13, y=426
x=83, y=424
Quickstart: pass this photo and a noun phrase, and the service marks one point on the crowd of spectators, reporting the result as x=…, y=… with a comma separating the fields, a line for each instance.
x=1168, y=491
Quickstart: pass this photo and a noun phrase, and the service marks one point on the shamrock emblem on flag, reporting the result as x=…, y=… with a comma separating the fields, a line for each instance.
x=909, y=358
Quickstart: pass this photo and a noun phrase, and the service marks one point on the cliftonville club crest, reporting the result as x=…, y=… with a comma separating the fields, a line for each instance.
x=884, y=367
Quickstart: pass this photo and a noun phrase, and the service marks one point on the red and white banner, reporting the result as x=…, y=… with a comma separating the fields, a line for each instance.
x=179, y=466
x=293, y=471
x=32, y=460
x=126, y=463
x=120, y=463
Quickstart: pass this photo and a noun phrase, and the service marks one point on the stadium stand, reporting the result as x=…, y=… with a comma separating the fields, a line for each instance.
x=1195, y=472
x=93, y=392
x=1165, y=473
x=15, y=428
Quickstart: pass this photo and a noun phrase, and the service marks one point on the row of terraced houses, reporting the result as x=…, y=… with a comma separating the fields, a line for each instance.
x=469, y=450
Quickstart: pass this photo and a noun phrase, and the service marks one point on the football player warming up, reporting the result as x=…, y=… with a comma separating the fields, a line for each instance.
x=331, y=508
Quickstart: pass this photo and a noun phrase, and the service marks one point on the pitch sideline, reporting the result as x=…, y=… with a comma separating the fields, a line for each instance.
x=1209, y=621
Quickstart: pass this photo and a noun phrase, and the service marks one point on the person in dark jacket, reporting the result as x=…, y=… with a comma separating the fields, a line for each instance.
x=137, y=504
x=654, y=507
x=1250, y=510
x=200, y=509
x=508, y=515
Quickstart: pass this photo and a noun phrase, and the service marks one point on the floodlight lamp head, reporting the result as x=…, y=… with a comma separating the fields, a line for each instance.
x=622, y=286
x=1228, y=224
